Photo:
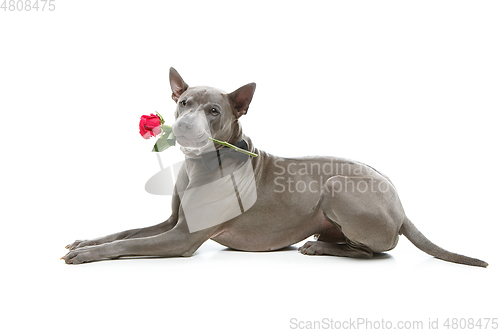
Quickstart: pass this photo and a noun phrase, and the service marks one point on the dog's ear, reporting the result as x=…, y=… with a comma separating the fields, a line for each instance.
x=177, y=84
x=240, y=99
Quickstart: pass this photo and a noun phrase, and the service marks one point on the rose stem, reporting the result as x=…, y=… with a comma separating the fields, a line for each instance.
x=224, y=143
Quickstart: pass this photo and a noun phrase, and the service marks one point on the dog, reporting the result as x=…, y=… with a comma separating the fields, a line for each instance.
x=262, y=203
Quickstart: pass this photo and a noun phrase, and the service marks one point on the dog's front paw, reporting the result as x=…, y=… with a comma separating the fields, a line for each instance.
x=79, y=256
x=80, y=243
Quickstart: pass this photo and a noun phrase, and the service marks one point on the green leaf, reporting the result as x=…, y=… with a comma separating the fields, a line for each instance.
x=167, y=130
x=166, y=140
x=161, y=118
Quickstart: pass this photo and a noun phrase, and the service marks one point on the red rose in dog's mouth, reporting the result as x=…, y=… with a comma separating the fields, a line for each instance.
x=149, y=126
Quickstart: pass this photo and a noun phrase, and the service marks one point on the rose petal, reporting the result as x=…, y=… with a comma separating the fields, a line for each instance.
x=156, y=130
x=149, y=126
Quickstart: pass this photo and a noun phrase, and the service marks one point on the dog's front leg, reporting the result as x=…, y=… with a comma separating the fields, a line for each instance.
x=174, y=243
x=127, y=234
x=141, y=232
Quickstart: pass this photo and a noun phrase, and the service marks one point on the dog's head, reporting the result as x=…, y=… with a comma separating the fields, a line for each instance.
x=204, y=112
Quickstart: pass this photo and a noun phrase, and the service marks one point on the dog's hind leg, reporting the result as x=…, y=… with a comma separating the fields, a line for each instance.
x=333, y=242
x=366, y=210
x=336, y=249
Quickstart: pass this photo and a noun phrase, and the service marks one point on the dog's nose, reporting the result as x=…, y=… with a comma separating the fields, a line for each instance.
x=184, y=125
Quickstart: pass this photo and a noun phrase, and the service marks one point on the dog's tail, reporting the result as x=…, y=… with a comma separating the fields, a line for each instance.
x=420, y=241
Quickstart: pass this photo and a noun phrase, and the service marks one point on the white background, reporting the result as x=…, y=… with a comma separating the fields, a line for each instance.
x=411, y=88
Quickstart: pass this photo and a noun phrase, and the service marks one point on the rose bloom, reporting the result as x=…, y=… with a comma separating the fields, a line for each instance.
x=150, y=126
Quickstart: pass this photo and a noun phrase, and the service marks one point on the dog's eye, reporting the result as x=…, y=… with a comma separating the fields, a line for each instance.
x=214, y=112
x=183, y=103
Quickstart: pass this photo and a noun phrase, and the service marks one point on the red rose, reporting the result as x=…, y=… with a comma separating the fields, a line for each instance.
x=150, y=126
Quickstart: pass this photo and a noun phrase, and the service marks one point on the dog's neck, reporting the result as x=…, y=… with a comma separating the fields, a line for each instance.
x=199, y=174
x=237, y=133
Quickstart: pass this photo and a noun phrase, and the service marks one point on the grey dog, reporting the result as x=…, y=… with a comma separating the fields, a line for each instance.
x=353, y=209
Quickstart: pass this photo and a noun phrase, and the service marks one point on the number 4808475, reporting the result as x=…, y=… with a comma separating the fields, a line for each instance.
x=28, y=5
